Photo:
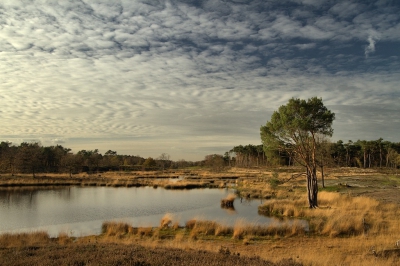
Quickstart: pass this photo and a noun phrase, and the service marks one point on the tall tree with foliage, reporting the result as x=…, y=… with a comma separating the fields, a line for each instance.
x=294, y=128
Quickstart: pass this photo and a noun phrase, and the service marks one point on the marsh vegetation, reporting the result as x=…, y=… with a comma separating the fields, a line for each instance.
x=356, y=223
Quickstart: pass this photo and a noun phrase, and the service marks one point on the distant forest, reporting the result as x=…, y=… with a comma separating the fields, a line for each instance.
x=34, y=158
x=362, y=154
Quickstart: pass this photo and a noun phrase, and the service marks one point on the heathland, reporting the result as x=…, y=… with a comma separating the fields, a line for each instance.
x=356, y=222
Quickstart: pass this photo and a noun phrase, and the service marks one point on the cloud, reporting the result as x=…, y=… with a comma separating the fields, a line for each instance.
x=305, y=46
x=371, y=46
x=58, y=141
x=182, y=77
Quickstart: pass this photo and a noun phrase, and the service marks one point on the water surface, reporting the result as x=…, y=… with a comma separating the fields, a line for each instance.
x=80, y=211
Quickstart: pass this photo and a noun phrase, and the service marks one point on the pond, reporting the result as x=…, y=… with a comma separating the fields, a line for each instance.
x=80, y=211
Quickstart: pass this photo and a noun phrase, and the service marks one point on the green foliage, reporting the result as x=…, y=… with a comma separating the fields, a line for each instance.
x=295, y=123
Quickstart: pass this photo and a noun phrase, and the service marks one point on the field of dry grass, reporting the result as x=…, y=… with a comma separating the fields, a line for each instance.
x=357, y=223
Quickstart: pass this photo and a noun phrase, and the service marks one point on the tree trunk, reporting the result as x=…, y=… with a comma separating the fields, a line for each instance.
x=365, y=159
x=312, y=188
x=369, y=160
x=322, y=176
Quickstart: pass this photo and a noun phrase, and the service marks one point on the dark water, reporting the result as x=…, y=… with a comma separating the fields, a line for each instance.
x=80, y=211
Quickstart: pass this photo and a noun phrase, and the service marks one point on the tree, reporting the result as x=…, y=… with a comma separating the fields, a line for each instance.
x=7, y=157
x=163, y=159
x=294, y=128
x=214, y=161
x=29, y=158
x=149, y=163
x=91, y=159
x=324, y=148
x=72, y=163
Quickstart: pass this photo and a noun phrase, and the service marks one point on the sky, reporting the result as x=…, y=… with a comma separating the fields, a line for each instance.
x=191, y=78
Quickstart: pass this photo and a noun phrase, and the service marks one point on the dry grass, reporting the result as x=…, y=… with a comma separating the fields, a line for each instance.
x=340, y=215
x=116, y=228
x=230, y=197
x=227, y=202
x=343, y=230
x=121, y=254
x=190, y=224
x=185, y=185
x=243, y=230
x=203, y=228
x=24, y=239
x=64, y=239
x=223, y=230
x=166, y=221
x=144, y=231
x=273, y=242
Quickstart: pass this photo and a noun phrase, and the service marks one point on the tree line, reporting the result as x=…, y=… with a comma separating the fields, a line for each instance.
x=34, y=158
x=361, y=153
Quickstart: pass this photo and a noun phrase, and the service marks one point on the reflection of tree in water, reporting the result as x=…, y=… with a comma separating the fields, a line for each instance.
x=230, y=210
x=28, y=196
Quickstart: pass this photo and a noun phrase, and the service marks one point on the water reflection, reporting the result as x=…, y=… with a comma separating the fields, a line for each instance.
x=81, y=210
x=28, y=196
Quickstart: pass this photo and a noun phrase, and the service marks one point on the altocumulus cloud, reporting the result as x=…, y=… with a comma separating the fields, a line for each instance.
x=192, y=77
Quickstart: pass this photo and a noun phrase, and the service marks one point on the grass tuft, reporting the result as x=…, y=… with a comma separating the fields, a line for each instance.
x=118, y=229
x=166, y=221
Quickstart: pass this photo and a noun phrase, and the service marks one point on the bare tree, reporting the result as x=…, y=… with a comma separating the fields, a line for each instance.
x=163, y=159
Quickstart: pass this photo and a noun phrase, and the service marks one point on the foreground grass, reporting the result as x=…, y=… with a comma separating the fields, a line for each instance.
x=20, y=250
x=121, y=254
x=198, y=243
